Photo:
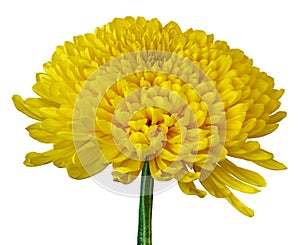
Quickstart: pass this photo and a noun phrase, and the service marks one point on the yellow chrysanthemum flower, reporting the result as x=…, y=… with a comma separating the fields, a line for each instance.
x=136, y=89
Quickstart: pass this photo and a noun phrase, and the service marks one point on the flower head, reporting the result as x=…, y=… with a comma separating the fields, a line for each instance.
x=135, y=89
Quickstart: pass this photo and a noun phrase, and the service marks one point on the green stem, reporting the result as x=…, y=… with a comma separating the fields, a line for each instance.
x=145, y=209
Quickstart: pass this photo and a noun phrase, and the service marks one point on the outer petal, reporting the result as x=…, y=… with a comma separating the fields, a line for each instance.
x=243, y=174
x=234, y=201
x=190, y=189
x=232, y=182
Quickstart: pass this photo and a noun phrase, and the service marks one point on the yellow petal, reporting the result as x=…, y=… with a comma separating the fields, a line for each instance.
x=189, y=177
x=162, y=164
x=35, y=131
x=269, y=128
x=277, y=117
x=127, y=166
x=52, y=112
x=232, y=182
x=154, y=169
x=245, y=148
x=37, y=159
x=225, y=62
x=255, y=111
x=167, y=155
x=233, y=129
x=104, y=126
x=257, y=155
x=234, y=201
x=272, y=106
x=271, y=164
x=243, y=174
x=259, y=126
x=214, y=187
x=231, y=97
x=76, y=172
x=191, y=189
x=51, y=125
x=124, y=178
x=138, y=124
x=249, y=125
x=139, y=138
x=236, y=110
x=20, y=105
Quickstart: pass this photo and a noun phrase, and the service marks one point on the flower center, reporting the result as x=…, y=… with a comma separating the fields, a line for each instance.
x=149, y=127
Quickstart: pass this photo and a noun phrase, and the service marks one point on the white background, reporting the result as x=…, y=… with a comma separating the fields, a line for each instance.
x=44, y=206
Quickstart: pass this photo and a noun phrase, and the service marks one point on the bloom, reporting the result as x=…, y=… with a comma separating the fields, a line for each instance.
x=188, y=122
